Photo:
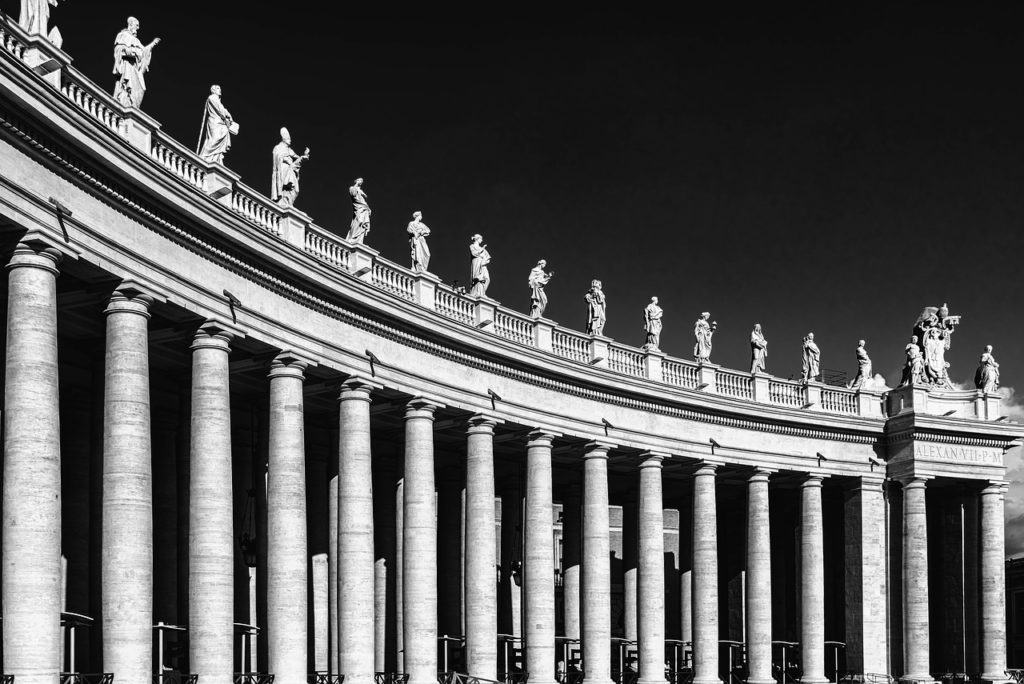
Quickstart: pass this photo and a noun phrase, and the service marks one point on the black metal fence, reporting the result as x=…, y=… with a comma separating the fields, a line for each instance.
x=175, y=678
x=391, y=677
x=253, y=678
x=325, y=678
x=86, y=678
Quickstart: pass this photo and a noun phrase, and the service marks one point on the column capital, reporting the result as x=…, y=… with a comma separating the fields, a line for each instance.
x=813, y=480
x=482, y=424
x=652, y=459
x=761, y=474
x=127, y=300
x=541, y=437
x=706, y=468
x=995, y=487
x=597, y=449
x=421, y=407
x=36, y=254
x=288, y=365
x=357, y=387
x=215, y=334
x=913, y=481
x=873, y=483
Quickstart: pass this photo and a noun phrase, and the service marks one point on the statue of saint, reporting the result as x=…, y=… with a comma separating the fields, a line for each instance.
x=131, y=62
x=596, y=307
x=703, y=332
x=360, y=225
x=35, y=15
x=758, y=350
x=480, y=277
x=652, y=325
x=934, y=330
x=987, y=377
x=913, y=371
x=418, y=233
x=215, y=135
x=812, y=359
x=537, y=280
x=864, y=370
x=285, y=183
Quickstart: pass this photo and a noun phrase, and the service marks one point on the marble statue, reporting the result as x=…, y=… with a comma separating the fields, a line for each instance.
x=537, y=280
x=987, y=377
x=758, y=350
x=418, y=248
x=596, y=308
x=703, y=332
x=35, y=16
x=131, y=62
x=360, y=226
x=913, y=370
x=652, y=325
x=812, y=359
x=864, y=370
x=480, y=277
x=934, y=330
x=215, y=135
x=287, y=164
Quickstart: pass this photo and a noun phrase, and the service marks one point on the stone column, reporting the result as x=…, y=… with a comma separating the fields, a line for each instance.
x=916, y=653
x=481, y=592
x=571, y=562
x=705, y=577
x=867, y=583
x=651, y=572
x=419, y=548
x=759, y=580
x=356, y=555
x=538, y=562
x=993, y=584
x=972, y=581
x=332, y=569
x=127, y=566
x=595, y=587
x=287, y=582
x=629, y=566
x=812, y=582
x=211, y=530
x=31, y=476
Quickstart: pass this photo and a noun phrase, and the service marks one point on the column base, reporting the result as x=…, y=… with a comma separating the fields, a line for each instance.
x=595, y=680
x=768, y=680
x=995, y=678
x=710, y=680
x=814, y=680
x=646, y=681
x=917, y=679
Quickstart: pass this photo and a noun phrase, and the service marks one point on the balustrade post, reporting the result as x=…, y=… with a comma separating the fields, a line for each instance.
x=812, y=395
x=292, y=228
x=137, y=128
x=761, y=383
x=869, y=403
x=424, y=286
x=653, y=360
x=706, y=379
x=361, y=259
x=542, y=329
x=599, y=351
x=484, y=313
x=219, y=182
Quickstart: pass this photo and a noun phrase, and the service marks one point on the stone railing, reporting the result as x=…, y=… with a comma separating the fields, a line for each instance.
x=182, y=162
x=144, y=134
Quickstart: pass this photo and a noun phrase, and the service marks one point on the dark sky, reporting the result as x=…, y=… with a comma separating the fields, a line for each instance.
x=816, y=169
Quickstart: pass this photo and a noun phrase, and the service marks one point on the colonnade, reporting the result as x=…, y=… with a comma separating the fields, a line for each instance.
x=31, y=529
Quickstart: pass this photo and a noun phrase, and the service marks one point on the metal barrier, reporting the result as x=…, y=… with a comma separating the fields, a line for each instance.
x=253, y=678
x=681, y=676
x=325, y=678
x=838, y=660
x=735, y=661
x=6, y=679
x=86, y=678
x=175, y=678
x=453, y=677
x=1016, y=674
x=391, y=677
x=518, y=677
x=786, y=670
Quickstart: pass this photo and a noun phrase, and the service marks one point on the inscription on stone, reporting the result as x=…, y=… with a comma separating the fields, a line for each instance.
x=958, y=454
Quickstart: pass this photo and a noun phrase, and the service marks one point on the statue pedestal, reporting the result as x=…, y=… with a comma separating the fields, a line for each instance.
x=653, y=359
x=360, y=261
x=599, y=350
x=46, y=59
x=485, y=313
x=219, y=183
x=908, y=398
x=424, y=287
x=293, y=226
x=542, y=328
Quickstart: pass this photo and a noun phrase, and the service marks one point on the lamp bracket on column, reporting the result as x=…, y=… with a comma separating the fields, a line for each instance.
x=373, y=359
x=873, y=463
x=233, y=303
x=61, y=211
x=821, y=457
x=606, y=426
x=494, y=397
x=714, y=445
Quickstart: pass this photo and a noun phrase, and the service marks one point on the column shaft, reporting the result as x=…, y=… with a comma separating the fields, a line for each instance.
x=419, y=550
x=993, y=584
x=571, y=562
x=866, y=580
x=356, y=555
x=287, y=582
x=211, y=538
x=915, y=582
x=759, y=580
x=812, y=582
x=595, y=587
x=651, y=573
x=705, y=577
x=481, y=591
x=127, y=565
x=31, y=476
x=538, y=564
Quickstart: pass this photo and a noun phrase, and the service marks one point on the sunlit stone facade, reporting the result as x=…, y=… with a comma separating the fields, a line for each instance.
x=293, y=456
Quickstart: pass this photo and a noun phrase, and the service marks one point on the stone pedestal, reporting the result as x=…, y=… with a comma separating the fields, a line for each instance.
x=595, y=587
x=651, y=572
x=759, y=580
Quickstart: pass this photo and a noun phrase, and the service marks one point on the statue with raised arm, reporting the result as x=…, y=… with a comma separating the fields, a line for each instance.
x=360, y=226
x=596, y=308
x=987, y=377
x=758, y=350
x=913, y=369
x=35, y=16
x=287, y=164
x=812, y=359
x=703, y=332
x=934, y=330
x=131, y=62
x=418, y=248
x=215, y=135
x=864, y=370
x=652, y=325
x=480, y=276
x=537, y=280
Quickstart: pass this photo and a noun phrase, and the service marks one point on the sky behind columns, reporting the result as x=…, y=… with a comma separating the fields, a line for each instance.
x=810, y=168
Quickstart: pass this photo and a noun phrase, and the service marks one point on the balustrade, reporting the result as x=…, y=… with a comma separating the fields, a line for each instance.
x=179, y=161
x=625, y=360
x=513, y=326
x=839, y=400
x=258, y=209
x=680, y=373
x=785, y=393
x=12, y=43
x=570, y=345
x=453, y=305
x=92, y=104
x=734, y=384
x=327, y=247
x=390, y=279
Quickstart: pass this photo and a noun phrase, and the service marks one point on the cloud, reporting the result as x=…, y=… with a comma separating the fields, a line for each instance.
x=1013, y=407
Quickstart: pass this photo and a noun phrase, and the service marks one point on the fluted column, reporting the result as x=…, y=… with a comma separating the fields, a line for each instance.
x=812, y=582
x=993, y=584
x=705, y=577
x=595, y=585
x=287, y=581
x=759, y=580
x=211, y=534
x=419, y=550
x=915, y=581
x=356, y=556
x=31, y=477
x=650, y=590
x=538, y=563
x=481, y=591
x=127, y=555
